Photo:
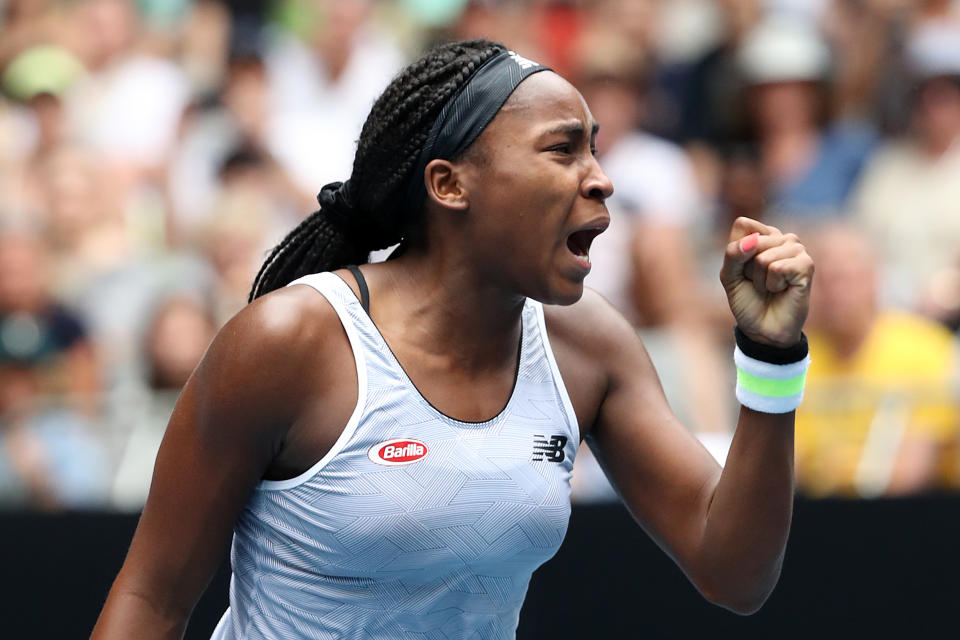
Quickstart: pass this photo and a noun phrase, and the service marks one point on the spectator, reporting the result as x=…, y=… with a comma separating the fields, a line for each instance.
x=710, y=119
x=128, y=108
x=879, y=408
x=218, y=136
x=320, y=89
x=179, y=333
x=35, y=329
x=245, y=220
x=808, y=161
x=51, y=454
x=909, y=197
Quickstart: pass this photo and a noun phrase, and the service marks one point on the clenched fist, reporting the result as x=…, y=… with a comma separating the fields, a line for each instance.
x=767, y=276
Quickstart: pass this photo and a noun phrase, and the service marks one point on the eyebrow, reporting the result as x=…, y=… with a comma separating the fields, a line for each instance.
x=573, y=128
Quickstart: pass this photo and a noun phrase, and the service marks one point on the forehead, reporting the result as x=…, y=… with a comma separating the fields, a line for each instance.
x=541, y=99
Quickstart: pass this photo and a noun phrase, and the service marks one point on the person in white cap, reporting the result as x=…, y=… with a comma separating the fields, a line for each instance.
x=809, y=163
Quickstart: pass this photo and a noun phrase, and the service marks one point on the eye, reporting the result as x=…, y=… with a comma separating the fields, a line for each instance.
x=560, y=148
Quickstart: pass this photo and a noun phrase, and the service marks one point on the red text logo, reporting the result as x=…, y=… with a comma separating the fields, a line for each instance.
x=396, y=452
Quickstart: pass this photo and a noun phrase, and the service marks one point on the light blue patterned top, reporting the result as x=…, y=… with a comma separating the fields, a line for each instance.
x=432, y=537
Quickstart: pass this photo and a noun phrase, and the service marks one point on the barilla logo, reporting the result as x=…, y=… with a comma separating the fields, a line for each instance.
x=396, y=452
x=524, y=63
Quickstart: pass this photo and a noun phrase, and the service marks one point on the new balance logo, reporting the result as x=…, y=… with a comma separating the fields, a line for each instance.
x=550, y=450
x=524, y=63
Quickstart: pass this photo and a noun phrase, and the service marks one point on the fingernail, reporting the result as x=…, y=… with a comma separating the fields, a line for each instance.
x=750, y=243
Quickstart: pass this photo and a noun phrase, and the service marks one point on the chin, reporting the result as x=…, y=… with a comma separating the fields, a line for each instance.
x=563, y=296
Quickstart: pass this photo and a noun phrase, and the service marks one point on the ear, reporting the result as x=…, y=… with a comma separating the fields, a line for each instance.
x=445, y=185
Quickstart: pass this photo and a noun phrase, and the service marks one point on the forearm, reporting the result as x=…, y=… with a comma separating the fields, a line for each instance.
x=748, y=516
x=130, y=614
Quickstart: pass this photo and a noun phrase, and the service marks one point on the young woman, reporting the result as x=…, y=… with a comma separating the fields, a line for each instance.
x=390, y=448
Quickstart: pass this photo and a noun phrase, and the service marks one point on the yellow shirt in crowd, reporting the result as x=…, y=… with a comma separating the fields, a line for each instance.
x=857, y=412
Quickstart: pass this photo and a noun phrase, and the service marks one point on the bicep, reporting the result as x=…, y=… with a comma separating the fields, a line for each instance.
x=225, y=429
x=202, y=479
x=662, y=472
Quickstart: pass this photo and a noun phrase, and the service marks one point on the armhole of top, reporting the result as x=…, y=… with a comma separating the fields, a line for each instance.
x=557, y=378
x=317, y=282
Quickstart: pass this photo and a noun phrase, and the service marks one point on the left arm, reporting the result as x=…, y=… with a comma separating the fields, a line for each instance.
x=727, y=529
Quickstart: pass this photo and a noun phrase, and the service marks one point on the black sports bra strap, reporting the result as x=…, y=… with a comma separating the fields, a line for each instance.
x=362, y=283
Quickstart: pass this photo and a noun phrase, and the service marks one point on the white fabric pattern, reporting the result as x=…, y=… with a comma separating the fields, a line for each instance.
x=438, y=549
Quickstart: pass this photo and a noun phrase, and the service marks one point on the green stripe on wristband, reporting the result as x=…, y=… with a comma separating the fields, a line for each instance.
x=769, y=387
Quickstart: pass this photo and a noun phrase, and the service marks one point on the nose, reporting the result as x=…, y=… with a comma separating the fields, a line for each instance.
x=597, y=184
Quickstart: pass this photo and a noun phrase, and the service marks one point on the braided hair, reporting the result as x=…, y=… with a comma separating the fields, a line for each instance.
x=342, y=233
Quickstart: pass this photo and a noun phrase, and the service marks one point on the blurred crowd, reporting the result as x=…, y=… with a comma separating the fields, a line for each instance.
x=152, y=151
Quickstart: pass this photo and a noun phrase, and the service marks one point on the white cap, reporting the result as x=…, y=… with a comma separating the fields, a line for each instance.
x=783, y=50
x=934, y=50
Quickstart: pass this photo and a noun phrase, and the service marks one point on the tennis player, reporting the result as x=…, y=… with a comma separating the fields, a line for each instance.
x=390, y=447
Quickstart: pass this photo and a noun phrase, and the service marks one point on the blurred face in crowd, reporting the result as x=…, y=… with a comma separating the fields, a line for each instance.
x=784, y=106
x=180, y=334
x=246, y=96
x=616, y=103
x=740, y=15
x=843, y=301
x=18, y=11
x=340, y=22
x=22, y=273
x=72, y=190
x=109, y=27
x=19, y=386
x=637, y=20
x=235, y=238
x=536, y=195
x=937, y=113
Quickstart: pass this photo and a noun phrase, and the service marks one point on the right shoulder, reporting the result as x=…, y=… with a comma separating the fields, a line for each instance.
x=277, y=350
x=284, y=320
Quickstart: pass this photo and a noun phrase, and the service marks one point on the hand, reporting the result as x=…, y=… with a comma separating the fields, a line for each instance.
x=767, y=276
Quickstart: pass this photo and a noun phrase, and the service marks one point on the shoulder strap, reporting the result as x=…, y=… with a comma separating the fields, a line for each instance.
x=362, y=284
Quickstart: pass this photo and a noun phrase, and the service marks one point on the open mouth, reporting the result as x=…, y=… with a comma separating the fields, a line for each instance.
x=579, y=242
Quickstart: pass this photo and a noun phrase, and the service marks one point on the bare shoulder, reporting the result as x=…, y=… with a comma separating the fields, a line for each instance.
x=280, y=325
x=591, y=325
x=590, y=339
x=284, y=319
x=276, y=349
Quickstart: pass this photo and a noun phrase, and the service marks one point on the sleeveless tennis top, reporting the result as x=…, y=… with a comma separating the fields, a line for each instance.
x=414, y=525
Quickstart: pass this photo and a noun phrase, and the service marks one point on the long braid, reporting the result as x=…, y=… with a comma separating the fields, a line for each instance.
x=387, y=152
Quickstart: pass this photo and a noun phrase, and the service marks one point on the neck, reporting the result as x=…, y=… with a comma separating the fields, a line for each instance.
x=788, y=152
x=441, y=307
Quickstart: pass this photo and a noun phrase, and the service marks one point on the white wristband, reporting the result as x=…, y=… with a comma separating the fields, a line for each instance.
x=769, y=388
